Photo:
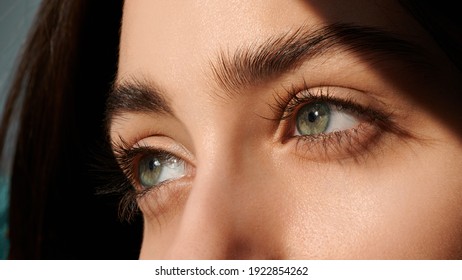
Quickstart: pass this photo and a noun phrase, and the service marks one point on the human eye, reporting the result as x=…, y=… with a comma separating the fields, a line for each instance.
x=150, y=172
x=332, y=122
x=156, y=167
x=322, y=117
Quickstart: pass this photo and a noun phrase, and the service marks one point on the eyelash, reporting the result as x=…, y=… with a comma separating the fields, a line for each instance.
x=285, y=109
x=286, y=106
x=123, y=176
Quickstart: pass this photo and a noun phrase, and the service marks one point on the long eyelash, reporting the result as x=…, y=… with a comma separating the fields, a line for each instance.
x=116, y=169
x=114, y=183
x=340, y=141
x=127, y=158
x=286, y=105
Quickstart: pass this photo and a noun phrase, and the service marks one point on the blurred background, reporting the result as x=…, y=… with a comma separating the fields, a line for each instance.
x=16, y=17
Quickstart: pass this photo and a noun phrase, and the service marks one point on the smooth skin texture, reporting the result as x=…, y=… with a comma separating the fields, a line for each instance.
x=386, y=187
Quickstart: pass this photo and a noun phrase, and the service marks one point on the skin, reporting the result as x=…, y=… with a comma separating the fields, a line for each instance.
x=251, y=189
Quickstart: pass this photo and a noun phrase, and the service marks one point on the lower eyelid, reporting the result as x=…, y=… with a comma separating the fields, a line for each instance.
x=164, y=200
x=339, y=145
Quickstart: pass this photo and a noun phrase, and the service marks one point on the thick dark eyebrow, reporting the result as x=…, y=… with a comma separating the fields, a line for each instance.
x=255, y=64
x=136, y=95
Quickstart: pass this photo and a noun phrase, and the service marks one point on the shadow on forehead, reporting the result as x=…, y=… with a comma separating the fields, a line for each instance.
x=438, y=89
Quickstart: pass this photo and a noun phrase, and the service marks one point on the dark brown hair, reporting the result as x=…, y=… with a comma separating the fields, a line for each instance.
x=60, y=89
x=66, y=69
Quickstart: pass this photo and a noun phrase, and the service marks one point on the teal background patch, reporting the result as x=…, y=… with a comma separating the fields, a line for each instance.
x=16, y=17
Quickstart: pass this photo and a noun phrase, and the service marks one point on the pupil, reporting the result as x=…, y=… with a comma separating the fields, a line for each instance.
x=312, y=116
x=151, y=164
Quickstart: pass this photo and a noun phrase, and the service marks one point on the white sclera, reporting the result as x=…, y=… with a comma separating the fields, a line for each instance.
x=153, y=171
x=338, y=120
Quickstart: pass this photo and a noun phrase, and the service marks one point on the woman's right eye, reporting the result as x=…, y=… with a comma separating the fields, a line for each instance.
x=154, y=169
x=149, y=170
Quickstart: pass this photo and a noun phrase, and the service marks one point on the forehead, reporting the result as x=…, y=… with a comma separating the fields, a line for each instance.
x=176, y=40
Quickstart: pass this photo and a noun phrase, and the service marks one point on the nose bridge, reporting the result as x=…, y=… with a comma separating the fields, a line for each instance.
x=220, y=218
x=207, y=227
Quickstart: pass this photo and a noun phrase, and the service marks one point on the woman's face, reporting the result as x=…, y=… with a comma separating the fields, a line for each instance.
x=267, y=129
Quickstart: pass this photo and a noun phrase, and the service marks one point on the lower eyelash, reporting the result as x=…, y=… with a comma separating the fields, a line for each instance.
x=118, y=170
x=127, y=158
x=353, y=143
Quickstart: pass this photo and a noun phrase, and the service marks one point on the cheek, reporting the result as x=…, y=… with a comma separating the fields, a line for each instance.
x=388, y=207
x=158, y=235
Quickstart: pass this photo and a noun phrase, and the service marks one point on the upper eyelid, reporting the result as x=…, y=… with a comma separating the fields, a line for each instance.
x=345, y=104
x=123, y=152
x=291, y=99
x=287, y=102
x=154, y=142
x=381, y=113
x=129, y=158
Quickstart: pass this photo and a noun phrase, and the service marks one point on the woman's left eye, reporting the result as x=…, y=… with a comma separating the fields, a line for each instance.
x=322, y=118
x=332, y=122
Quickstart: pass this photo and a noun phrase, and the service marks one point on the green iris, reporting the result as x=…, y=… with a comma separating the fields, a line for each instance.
x=149, y=170
x=313, y=118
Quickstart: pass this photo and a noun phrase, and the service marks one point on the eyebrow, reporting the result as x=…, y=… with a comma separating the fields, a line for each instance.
x=136, y=95
x=255, y=64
